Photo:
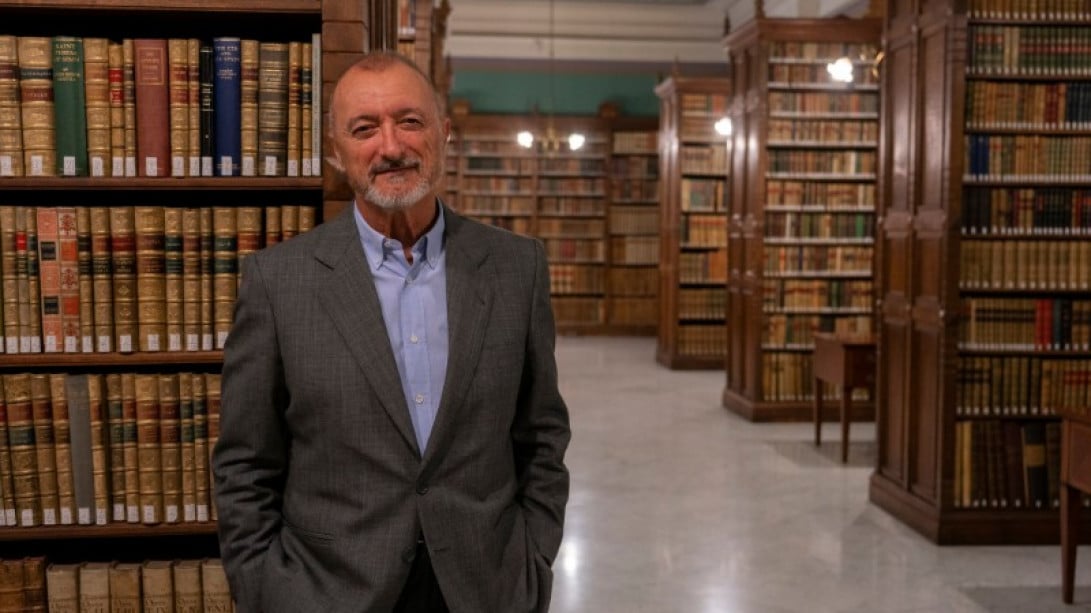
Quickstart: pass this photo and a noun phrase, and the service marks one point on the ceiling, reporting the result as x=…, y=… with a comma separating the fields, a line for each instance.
x=615, y=33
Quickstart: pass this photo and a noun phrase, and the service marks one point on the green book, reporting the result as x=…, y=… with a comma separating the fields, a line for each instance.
x=69, y=106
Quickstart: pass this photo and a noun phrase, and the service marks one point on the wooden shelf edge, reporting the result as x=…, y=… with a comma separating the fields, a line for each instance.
x=161, y=183
x=791, y=410
x=675, y=361
x=265, y=6
x=68, y=360
x=108, y=531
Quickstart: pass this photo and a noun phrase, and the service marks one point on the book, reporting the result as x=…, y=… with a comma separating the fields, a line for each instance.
x=151, y=85
x=11, y=123
x=94, y=586
x=273, y=77
x=97, y=99
x=149, y=454
x=62, y=441
x=35, y=55
x=227, y=105
x=21, y=446
x=157, y=586
x=69, y=110
x=63, y=588
x=45, y=450
x=125, y=588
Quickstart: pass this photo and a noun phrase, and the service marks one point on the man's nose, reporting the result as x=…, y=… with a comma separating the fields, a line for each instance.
x=391, y=144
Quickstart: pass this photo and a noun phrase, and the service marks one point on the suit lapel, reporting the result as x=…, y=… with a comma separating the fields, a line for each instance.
x=349, y=297
x=470, y=287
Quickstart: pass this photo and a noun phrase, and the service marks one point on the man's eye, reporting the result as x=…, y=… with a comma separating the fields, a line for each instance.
x=412, y=121
x=362, y=131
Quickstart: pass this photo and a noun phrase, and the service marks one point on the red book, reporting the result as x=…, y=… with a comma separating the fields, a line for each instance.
x=152, y=107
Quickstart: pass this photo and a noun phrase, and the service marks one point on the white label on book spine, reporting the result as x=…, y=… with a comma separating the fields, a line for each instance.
x=26, y=518
x=117, y=166
x=51, y=344
x=293, y=168
x=174, y=342
x=130, y=167
x=24, y=344
x=172, y=514
x=11, y=345
x=249, y=165
x=316, y=166
x=177, y=166
x=225, y=166
x=125, y=343
x=35, y=344
x=68, y=165
x=9, y=517
x=206, y=342
x=270, y=169
x=6, y=167
x=49, y=517
x=153, y=342
x=193, y=342
x=132, y=514
x=221, y=339
x=194, y=166
x=87, y=344
x=37, y=166
x=149, y=515
x=71, y=344
x=100, y=517
x=66, y=516
x=206, y=166
x=83, y=516
x=189, y=512
x=98, y=167
x=306, y=167
x=202, y=512
x=104, y=343
x=151, y=166
x=119, y=512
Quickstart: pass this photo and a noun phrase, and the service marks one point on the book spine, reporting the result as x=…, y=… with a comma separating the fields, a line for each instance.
x=153, y=117
x=34, y=597
x=11, y=585
x=123, y=255
x=191, y=279
x=272, y=109
x=272, y=225
x=289, y=221
x=71, y=278
x=188, y=449
x=187, y=586
x=202, y=477
x=206, y=109
x=21, y=445
x=248, y=107
x=100, y=448
x=248, y=233
x=295, y=109
x=306, y=218
x=7, y=487
x=62, y=441
x=148, y=442
x=193, y=106
x=69, y=109
x=62, y=588
x=115, y=427
x=157, y=586
x=128, y=103
x=116, y=85
x=129, y=445
x=125, y=588
x=94, y=586
x=226, y=109
x=170, y=447
x=306, y=138
x=316, y=105
x=172, y=253
x=85, y=273
x=45, y=450
x=151, y=294
x=212, y=405
x=224, y=269
x=9, y=279
x=206, y=278
x=96, y=53
x=178, y=94
x=11, y=124
x=102, y=282
x=50, y=271
x=36, y=105
x=79, y=417
x=215, y=592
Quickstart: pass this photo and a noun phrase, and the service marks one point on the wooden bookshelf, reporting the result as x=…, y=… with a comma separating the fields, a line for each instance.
x=984, y=284
x=564, y=198
x=694, y=192
x=802, y=208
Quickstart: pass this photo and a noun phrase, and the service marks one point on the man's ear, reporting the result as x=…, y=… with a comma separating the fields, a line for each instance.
x=335, y=161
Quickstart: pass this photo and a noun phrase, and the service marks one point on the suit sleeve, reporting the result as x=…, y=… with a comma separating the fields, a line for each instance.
x=250, y=458
x=541, y=430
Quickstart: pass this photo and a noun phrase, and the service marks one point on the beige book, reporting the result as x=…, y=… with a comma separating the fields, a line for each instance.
x=289, y=221
x=272, y=109
x=170, y=447
x=100, y=448
x=125, y=592
x=306, y=218
x=202, y=478
x=157, y=582
x=129, y=445
x=248, y=102
x=179, y=105
x=128, y=103
x=95, y=587
x=193, y=99
x=248, y=233
x=24, y=462
x=115, y=427
x=151, y=298
x=10, y=279
x=86, y=320
x=187, y=586
x=173, y=289
x=63, y=588
x=12, y=599
x=36, y=105
x=224, y=269
x=11, y=123
x=214, y=588
x=34, y=596
x=295, y=108
x=207, y=341
x=49, y=267
x=306, y=92
x=149, y=456
x=62, y=444
x=191, y=279
x=96, y=79
x=123, y=259
x=187, y=445
x=42, y=410
x=34, y=289
x=115, y=62
x=102, y=279
x=212, y=404
x=272, y=225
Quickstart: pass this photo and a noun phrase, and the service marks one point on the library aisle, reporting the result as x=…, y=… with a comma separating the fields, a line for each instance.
x=679, y=506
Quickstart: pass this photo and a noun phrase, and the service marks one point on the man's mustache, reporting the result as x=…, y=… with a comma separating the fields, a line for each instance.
x=388, y=165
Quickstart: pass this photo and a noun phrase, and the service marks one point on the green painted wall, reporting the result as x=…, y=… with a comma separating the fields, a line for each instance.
x=512, y=92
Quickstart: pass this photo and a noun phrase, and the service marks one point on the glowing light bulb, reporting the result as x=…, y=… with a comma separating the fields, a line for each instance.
x=723, y=126
x=840, y=70
x=576, y=141
x=525, y=139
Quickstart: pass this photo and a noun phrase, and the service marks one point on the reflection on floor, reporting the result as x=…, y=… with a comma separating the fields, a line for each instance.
x=679, y=506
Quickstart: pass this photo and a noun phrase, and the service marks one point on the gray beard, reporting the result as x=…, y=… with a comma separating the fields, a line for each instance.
x=397, y=202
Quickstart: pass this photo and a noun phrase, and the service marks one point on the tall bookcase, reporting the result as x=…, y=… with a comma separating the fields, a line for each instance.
x=694, y=194
x=985, y=280
x=598, y=252
x=146, y=268
x=803, y=205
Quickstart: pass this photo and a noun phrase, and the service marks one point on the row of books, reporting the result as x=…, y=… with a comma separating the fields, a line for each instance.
x=634, y=190
x=580, y=311
x=703, y=159
x=703, y=266
x=469, y=145
x=561, y=205
x=634, y=250
x=159, y=107
x=561, y=227
x=634, y=220
x=702, y=303
x=634, y=311
x=816, y=225
x=784, y=51
x=1043, y=106
x=576, y=279
x=700, y=129
x=1060, y=50
x=1025, y=264
x=515, y=166
x=706, y=105
x=703, y=231
x=519, y=225
x=636, y=143
x=836, y=162
x=702, y=340
x=1022, y=385
x=822, y=131
x=702, y=195
x=1005, y=464
x=1041, y=211
x=1025, y=324
x=815, y=294
x=581, y=166
x=1019, y=9
x=575, y=250
x=788, y=377
x=635, y=167
x=1033, y=157
x=33, y=584
x=817, y=259
x=146, y=278
x=634, y=281
x=513, y=186
x=479, y=204
x=853, y=195
x=788, y=330
x=824, y=102
x=579, y=186
x=814, y=73
x=119, y=447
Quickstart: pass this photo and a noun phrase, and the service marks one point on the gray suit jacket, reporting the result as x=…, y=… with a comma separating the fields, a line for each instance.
x=320, y=487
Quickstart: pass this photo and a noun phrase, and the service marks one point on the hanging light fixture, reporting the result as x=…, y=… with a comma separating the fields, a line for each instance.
x=550, y=140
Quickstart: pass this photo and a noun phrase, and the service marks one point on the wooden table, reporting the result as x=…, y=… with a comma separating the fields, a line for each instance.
x=847, y=361
x=1075, y=478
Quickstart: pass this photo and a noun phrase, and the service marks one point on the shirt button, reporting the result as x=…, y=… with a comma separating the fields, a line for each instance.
x=419, y=398
x=413, y=339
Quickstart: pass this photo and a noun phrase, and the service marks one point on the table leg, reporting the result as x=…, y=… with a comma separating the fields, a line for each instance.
x=846, y=406
x=816, y=411
x=1070, y=516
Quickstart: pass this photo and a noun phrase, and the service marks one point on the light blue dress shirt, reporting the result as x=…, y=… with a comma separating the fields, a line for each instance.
x=414, y=302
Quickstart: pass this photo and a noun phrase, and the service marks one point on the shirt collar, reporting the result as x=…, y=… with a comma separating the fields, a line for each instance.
x=375, y=243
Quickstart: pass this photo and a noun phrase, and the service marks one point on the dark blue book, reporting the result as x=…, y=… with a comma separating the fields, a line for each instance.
x=227, y=113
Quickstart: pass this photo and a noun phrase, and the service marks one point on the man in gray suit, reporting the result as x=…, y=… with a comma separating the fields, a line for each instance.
x=392, y=436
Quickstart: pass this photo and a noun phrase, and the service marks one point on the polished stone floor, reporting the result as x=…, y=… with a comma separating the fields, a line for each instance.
x=679, y=506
